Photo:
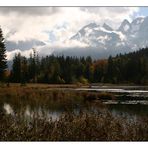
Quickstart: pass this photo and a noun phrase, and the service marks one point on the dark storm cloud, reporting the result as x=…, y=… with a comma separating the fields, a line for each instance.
x=40, y=11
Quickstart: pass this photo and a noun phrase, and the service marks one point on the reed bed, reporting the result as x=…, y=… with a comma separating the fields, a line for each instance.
x=84, y=124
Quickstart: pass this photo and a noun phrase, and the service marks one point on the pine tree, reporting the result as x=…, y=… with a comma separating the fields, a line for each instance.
x=3, y=61
x=16, y=69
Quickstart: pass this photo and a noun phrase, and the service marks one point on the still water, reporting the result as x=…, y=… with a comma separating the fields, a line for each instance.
x=132, y=101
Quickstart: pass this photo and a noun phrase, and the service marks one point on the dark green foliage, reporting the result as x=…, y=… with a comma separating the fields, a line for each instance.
x=51, y=69
x=127, y=68
x=19, y=71
x=33, y=66
x=132, y=67
x=3, y=60
x=16, y=69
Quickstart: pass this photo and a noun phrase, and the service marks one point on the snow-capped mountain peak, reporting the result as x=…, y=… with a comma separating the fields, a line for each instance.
x=125, y=26
x=85, y=30
x=107, y=27
x=102, y=41
x=91, y=25
x=128, y=37
x=138, y=20
x=135, y=25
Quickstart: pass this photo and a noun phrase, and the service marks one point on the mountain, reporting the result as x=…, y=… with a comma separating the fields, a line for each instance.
x=99, y=36
x=100, y=40
x=23, y=45
x=135, y=25
x=103, y=40
x=125, y=27
x=107, y=27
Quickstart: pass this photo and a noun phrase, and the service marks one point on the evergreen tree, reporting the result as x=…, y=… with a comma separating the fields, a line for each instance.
x=3, y=61
x=24, y=70
x=16, y=68
x=33, y=61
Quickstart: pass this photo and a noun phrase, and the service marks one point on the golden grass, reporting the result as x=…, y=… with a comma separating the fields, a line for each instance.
x=85, y=125
x=71, y=127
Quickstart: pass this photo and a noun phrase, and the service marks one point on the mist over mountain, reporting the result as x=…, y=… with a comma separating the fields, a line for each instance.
x=103, y=40
x=100, y=40
x=23, y=45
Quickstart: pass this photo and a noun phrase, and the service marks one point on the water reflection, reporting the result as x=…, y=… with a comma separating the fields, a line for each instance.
x=112, y=90
x=30, y=114
x=8, y=109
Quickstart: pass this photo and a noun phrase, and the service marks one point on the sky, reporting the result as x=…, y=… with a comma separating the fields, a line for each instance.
x=54, y=26
x=143, y=11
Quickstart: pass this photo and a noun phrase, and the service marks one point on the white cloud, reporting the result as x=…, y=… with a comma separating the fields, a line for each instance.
x=28, y=26
x=48, y=48
x=55, y=25
x=11, y=54
x=121, y=35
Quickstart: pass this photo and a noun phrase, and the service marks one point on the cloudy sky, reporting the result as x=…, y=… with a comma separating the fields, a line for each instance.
x=54, y=26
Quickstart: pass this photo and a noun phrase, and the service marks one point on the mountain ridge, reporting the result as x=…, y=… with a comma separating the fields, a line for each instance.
x=130, y=36
x=102, y=40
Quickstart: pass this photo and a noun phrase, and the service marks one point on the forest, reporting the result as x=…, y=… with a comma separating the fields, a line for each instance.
x=124, y=68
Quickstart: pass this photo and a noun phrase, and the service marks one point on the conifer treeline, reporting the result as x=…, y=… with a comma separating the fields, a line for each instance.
x=51, y=69
x=127, y=68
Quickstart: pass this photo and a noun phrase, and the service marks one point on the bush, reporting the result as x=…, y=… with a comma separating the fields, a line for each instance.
x=83, y=80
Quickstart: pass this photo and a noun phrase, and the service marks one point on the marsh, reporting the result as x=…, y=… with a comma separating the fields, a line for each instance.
x=34, y=109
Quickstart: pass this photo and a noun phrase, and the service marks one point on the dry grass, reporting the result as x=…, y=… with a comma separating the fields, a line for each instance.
x=90, y=96
x=84, y=125
x=71, y=127
x=19, y=97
